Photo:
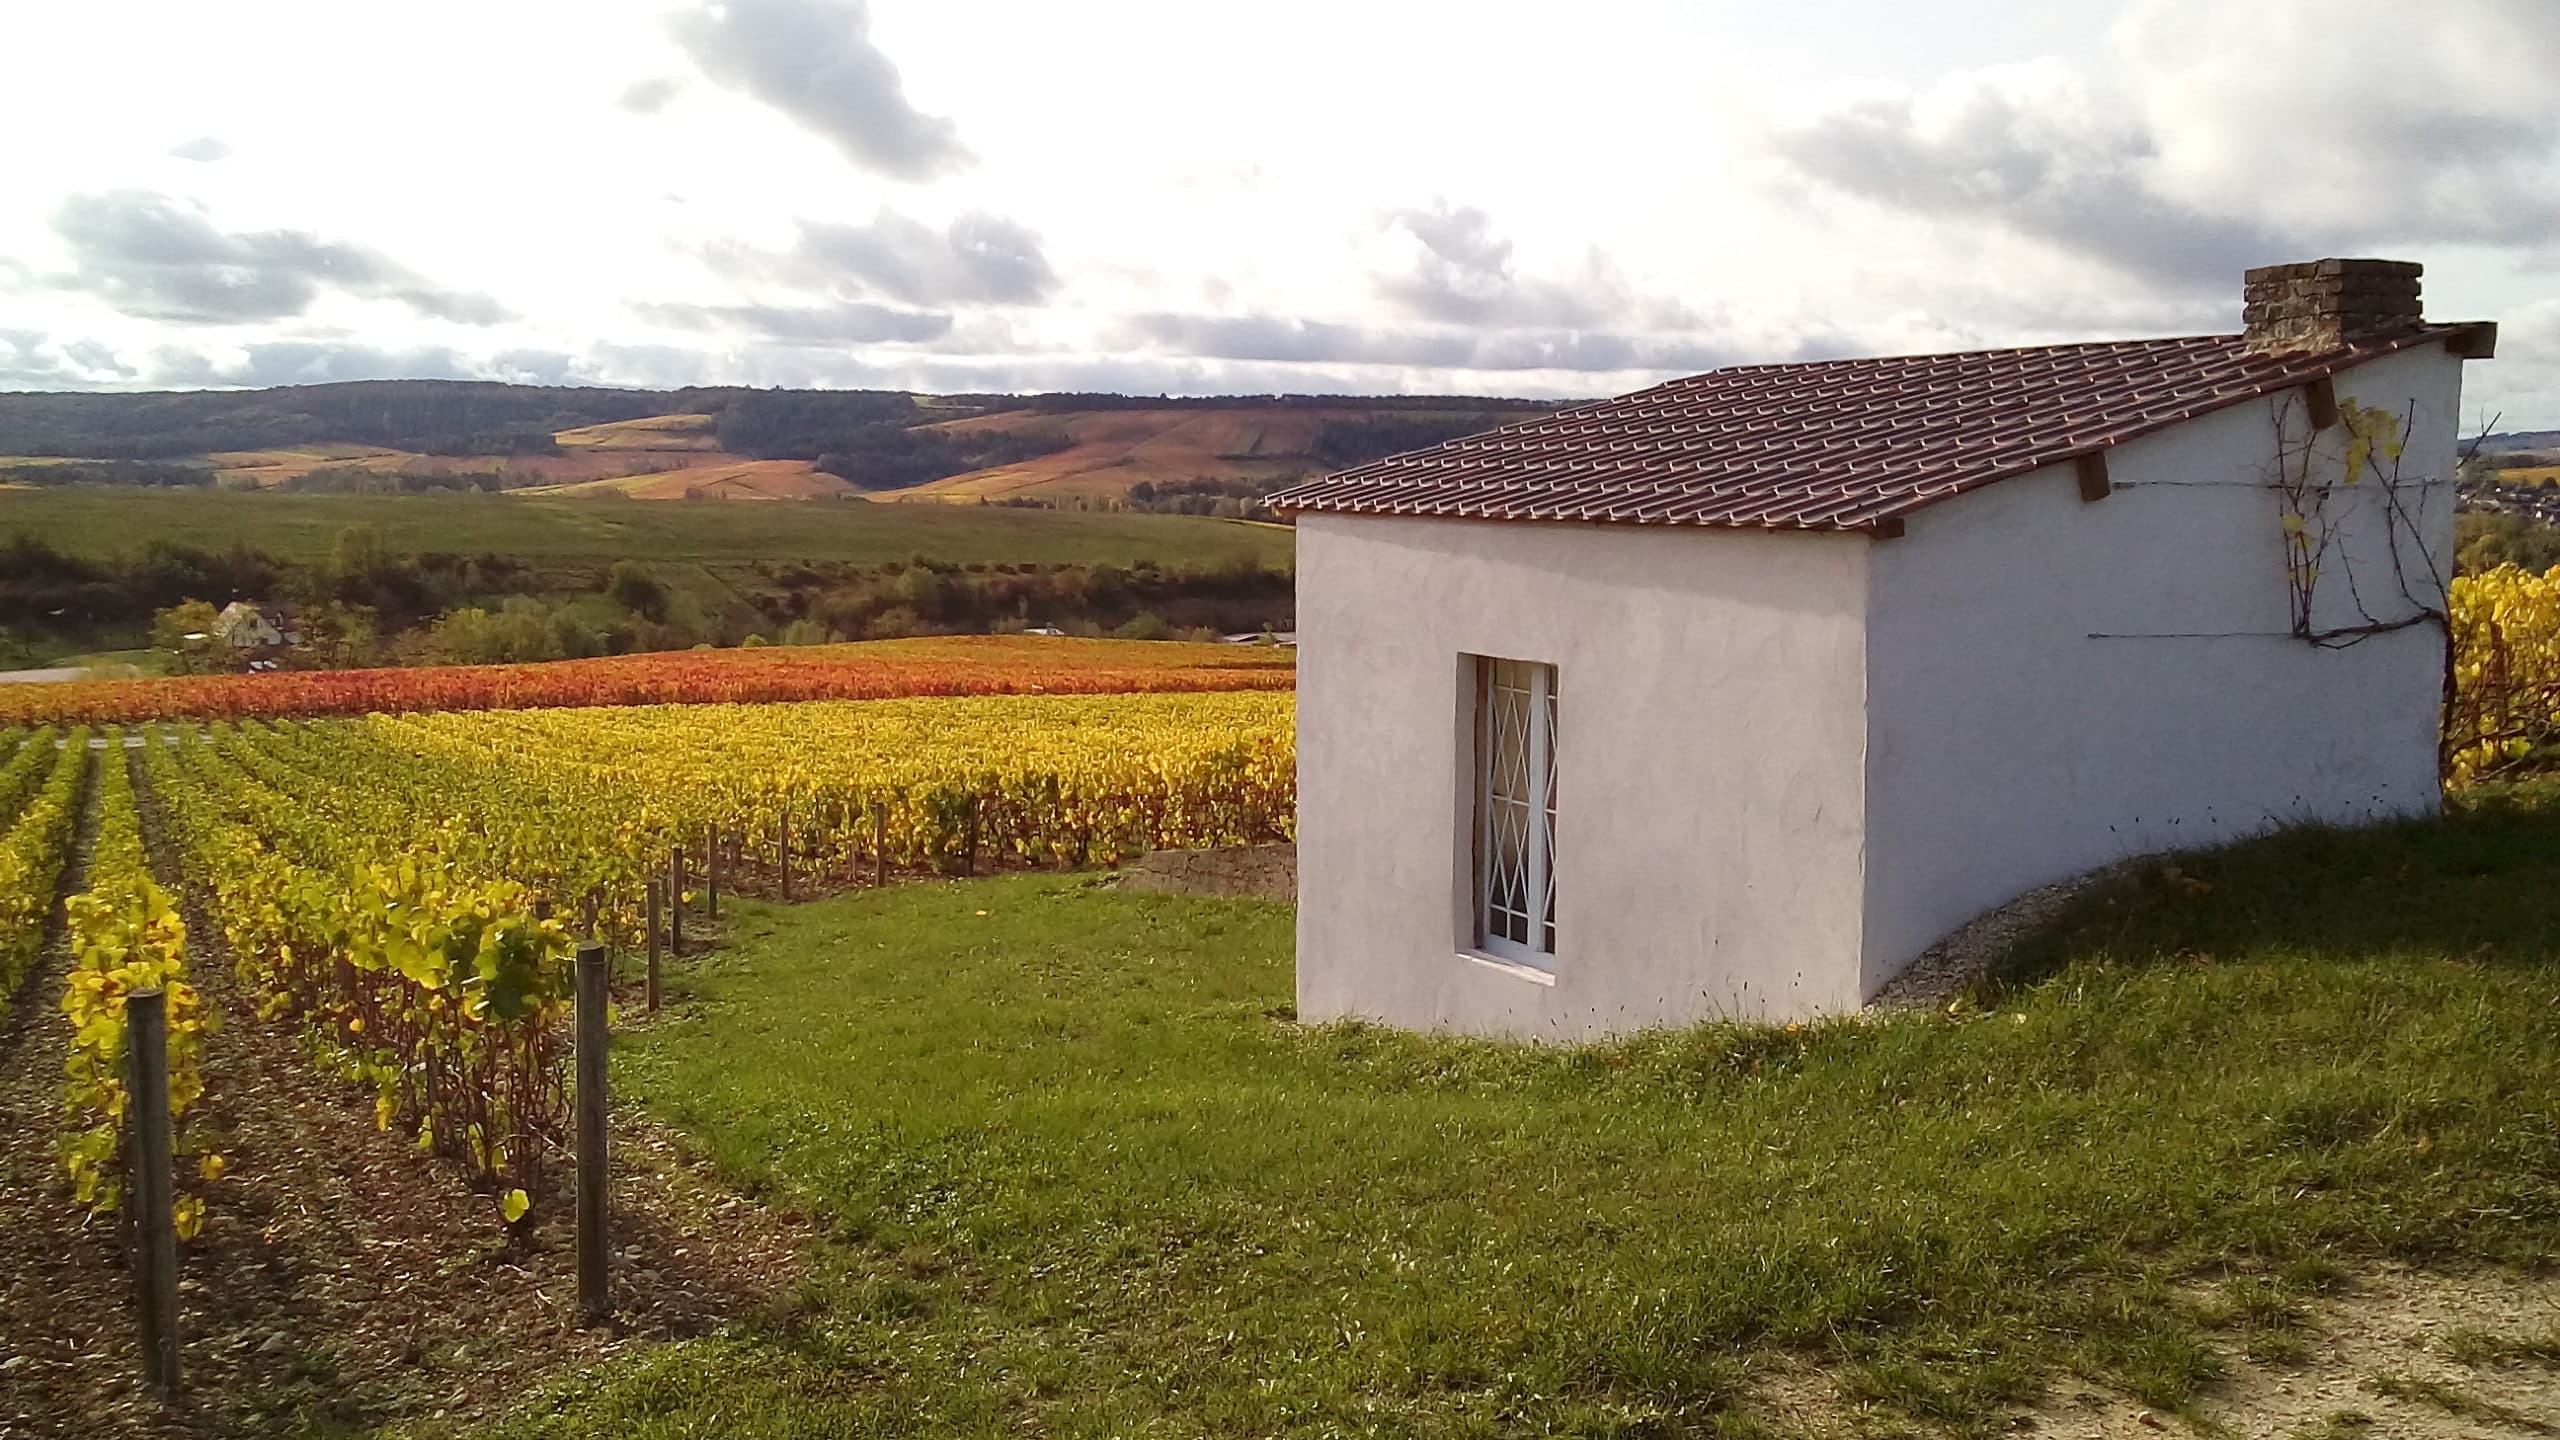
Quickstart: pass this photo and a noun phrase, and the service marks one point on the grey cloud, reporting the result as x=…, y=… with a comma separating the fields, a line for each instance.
x=1596, y=350
x=149, y=255
x=2007, y=162
x=312, y=362
x=648, y=97
x=31, y=360
x=813, y=60
x=2226, y=136
x=462, y=307
x=2356, y=118
x=978, y=259
x=1155, y=374
x=647, y=367
x=205, y=148
x=1268, y=339
x=852, y=322
x=534, y=367
x=97, y=359
x=1463, y=275
x=1263, y=337
x=1136, y=373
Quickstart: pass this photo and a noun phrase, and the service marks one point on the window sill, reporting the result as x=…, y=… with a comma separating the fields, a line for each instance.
x=1512, y=968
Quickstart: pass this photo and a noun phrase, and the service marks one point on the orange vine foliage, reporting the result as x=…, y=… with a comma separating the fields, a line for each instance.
x=874, y=670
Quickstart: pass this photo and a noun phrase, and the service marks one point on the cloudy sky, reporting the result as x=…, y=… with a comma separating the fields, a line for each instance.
x=1334, y=195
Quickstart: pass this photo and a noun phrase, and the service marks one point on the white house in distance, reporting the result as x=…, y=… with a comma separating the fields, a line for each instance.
x=243, y=626
x=1730, y=697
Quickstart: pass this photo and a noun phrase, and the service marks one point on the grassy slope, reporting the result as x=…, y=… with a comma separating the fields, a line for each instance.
x=1082, y=1181
x=101, y=522
x=657, y=433
x=1112, y=450
x=729, y=479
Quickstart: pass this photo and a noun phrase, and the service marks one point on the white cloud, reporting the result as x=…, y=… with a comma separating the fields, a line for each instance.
x=1175, y=196
x=2372, y=121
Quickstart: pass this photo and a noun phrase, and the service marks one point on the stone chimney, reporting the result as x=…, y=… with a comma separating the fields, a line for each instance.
x=2329, y=304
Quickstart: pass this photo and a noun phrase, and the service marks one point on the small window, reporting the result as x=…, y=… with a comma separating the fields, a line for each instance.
x=1515, y=823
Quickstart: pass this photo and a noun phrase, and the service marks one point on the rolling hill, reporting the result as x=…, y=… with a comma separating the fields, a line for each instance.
x=1097, y=454
x=744, y=444
x=294, y=468
x=655, y=433
x=720, y=477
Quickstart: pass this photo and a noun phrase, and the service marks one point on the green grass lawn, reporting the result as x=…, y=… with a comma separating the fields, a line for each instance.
x=100, y=522
x=1083, y=1175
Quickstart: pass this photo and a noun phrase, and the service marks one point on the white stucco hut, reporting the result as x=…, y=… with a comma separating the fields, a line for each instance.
x=1731, y=696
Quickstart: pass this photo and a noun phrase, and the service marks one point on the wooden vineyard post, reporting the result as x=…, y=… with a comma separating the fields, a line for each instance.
x=588, y=910
x=649, y=921
x=675, y=901
x=879, y=845
x=593, y=1301
x=711, y=875
x=969, y=841
x=146, y=1020
x=782, y=857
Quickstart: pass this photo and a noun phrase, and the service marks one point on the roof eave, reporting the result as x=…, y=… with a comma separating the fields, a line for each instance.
x=2467, y=340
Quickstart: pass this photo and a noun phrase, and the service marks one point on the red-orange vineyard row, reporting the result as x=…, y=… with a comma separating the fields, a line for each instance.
x=964, y=665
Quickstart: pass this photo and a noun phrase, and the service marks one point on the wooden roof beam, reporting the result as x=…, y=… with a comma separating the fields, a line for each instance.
x=2092, y=469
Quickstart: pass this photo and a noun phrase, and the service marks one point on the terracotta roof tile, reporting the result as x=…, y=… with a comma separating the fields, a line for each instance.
x=1832, y=445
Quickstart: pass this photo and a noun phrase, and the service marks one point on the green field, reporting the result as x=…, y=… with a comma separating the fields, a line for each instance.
x=1083, y=1176
x=106, y=522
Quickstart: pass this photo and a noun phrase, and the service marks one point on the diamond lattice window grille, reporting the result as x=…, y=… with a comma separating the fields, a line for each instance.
x=1516, y=810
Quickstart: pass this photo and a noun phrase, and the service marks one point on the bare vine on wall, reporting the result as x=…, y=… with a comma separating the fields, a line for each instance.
x=2309, y=479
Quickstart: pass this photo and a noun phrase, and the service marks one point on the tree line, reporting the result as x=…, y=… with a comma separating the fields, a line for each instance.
x=361, y=605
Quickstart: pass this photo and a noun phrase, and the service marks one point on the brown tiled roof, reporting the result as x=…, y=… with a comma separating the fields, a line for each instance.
x=1831, y=445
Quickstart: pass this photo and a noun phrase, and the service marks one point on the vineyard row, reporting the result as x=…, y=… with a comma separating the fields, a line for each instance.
x=402, y=891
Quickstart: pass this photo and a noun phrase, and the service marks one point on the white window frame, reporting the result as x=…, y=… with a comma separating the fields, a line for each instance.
x=1524, y=934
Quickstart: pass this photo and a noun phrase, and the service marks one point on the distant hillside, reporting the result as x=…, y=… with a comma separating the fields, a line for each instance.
x=411, y=435
x=450, y=417
x=1092, y=454
x=730, y=479
x=2522, y=440
x=656, y=433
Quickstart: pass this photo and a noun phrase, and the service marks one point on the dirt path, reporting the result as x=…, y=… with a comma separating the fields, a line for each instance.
x=2395, y=1353
x=343, y=1279
x=48, y=1354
